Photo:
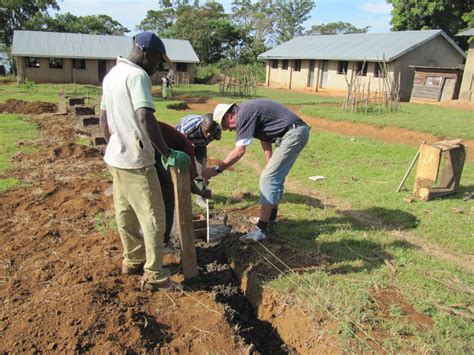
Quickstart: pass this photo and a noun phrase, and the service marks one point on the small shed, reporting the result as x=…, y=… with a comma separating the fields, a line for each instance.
x=436, y=83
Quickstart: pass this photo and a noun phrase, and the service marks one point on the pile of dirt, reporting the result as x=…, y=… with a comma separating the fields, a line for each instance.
x=27, y=107
x=61, y=289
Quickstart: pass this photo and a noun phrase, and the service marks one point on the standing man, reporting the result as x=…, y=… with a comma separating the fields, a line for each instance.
x=132, y=132
x=271, y=123
x=200, y=130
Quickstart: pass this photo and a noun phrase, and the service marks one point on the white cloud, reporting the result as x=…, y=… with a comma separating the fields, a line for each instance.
x=379, y=7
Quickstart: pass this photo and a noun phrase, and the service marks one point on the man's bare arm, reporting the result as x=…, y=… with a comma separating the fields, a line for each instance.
x=104, y=125
x=147, y=121
x=267, y=150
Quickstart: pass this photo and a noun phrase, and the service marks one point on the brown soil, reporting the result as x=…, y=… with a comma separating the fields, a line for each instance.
x=60, y=283
x=27, y=107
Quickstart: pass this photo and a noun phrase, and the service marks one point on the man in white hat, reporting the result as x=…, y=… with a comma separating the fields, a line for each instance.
x=271, y=123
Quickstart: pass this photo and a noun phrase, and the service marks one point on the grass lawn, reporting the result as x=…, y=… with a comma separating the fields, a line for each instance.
x=366, y=173
x=442, y=122
x=46, y=92
x=13, y=128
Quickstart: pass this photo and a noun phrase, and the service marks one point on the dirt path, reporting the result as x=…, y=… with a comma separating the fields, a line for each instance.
x=392, y=135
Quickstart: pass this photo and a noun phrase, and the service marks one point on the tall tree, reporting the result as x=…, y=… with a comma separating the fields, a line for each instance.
x=290, y=16
x=19, y=15
x=207, y=27
x=92, y=24
x=335, y=28
x=449, y=15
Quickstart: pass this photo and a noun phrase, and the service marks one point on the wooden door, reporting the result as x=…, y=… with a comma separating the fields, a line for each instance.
x=102, y=67
x=311, y=74
x=448, y=89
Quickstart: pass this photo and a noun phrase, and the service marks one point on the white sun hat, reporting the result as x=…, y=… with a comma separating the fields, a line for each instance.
x=220, y=111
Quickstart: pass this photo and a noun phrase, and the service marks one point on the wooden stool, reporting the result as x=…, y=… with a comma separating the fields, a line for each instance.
x=453, y=153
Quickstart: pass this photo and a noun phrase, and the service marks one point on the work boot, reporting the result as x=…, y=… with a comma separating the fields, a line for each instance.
x=168, y=248
x=254, y=236
x=168, y=285
x=132, y=269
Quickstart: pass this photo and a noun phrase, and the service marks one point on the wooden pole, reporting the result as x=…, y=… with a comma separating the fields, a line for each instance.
x=184, y=214
x=409, y=169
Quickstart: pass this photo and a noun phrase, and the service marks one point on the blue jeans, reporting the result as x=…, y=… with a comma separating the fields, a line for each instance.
x=279, y=165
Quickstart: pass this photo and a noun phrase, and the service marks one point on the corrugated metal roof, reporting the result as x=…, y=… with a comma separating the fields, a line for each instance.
x=78, y=45
x=466, y=33
x=358, y=46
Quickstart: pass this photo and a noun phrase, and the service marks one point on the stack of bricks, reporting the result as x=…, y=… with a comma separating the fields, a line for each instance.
x=88, y=120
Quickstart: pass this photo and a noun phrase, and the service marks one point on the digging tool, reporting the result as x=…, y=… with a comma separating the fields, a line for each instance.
x=409, y=169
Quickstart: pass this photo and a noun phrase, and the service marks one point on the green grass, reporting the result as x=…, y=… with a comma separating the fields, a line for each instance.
x=47, y=92
x=13, y=128
x=442, y=122
x=365, y=173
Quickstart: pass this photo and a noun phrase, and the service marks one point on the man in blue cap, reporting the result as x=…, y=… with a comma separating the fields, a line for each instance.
x=132, y=132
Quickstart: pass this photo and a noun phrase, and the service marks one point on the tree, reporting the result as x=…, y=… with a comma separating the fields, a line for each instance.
x=207, y=27
x=290, y=16
x=91, y=24
x=451, y=16
x=20, y=14
x=335, y=28
x=209, y=30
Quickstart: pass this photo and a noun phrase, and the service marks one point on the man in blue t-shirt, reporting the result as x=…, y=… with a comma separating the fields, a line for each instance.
x=271, y=123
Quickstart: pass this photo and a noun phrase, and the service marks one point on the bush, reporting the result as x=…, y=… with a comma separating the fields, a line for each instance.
x=28, y=86
x=205, y=73
x=225, y=66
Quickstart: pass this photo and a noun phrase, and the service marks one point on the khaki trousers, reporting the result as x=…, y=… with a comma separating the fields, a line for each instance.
x=140, y=215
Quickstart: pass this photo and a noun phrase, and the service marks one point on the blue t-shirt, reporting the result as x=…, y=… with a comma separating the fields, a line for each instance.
x=262, y=119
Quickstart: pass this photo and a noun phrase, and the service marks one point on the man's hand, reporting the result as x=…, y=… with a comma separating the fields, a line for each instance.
x=206, y=193
x=207, y=173
x=176, y=159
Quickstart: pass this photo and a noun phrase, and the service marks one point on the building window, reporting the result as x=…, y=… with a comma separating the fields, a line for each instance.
x=284, y=64
x=182, y=67
x=433, y=81
x=79, y=63
x=378, y=71
x=55, y=63
x=274, y=63
x=297, y=65
x=361, y=68
x=342, y=66
x=32, y=62
x=163, y=66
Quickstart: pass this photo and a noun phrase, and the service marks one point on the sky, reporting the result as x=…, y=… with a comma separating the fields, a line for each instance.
x=373, y=13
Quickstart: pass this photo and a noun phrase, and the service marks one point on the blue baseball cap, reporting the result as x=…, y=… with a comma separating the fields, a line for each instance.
x=148, y=41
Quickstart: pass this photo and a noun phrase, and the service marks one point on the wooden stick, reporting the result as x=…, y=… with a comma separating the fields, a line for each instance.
x=409, y=169
x=184, y=213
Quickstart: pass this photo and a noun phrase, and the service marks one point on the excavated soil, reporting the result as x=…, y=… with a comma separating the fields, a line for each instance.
x=60, y=283
x=27, y=107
